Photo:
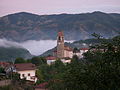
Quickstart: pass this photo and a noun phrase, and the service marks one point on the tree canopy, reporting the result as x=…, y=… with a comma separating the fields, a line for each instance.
x=98, y=70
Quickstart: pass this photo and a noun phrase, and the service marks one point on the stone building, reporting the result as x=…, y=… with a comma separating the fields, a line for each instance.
x=62, y=51
x=60, y=45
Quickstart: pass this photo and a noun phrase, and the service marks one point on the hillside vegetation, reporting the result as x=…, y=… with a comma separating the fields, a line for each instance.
x=26, y=26
x=11, y=53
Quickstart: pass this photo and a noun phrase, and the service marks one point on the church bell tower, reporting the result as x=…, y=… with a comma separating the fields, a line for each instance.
x=60, y=45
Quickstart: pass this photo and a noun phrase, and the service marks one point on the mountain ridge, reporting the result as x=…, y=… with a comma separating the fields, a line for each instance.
x=25, y=26
x=11, y=53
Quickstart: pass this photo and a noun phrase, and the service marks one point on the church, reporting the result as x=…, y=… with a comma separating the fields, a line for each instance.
x=62, y=51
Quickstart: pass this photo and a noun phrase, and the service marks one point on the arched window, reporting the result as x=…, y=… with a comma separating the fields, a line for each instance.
x=59, y=38
x=62, y=38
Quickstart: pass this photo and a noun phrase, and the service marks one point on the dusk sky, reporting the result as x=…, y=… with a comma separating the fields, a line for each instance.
x=58, y=6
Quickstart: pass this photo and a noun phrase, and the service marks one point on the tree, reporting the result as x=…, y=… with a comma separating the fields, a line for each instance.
x=15, y=77
x=38, y=60
x=2, y=70
x=99, y=70
x=97, y=36
x=75, y=59
x=57, y=69
x=19, y=60
x=57, y=72
x=39, y=75
x=75, y=50
x=44, y=72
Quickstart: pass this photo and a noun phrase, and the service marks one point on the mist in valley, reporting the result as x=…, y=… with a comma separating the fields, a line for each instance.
x=33, y=46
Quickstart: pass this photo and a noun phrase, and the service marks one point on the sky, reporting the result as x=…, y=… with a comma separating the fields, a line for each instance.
x=58, y=6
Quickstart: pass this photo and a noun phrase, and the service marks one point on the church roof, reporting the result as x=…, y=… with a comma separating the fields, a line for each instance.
x=68, y=48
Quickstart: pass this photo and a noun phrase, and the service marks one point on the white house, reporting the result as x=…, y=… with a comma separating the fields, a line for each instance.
x=26, y=70
x=50, y=60
x=66, y=61
x=68, y=52
x=82, y=51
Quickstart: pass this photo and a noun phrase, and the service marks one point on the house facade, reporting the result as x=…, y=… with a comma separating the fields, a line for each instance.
x=27, y=71
x=51, y=60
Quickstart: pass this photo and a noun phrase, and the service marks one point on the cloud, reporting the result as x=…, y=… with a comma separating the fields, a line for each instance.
x=38, y=47
x=5, y=43
x=33, y=46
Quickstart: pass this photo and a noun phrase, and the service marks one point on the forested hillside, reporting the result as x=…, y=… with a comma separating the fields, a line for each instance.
x=26, y=26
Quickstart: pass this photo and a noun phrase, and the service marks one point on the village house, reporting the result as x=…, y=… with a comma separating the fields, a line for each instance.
x=4, y=64
x=64, y=53
x=82, y=51
x=66, y=60
x=27, y=71
x=50, y=60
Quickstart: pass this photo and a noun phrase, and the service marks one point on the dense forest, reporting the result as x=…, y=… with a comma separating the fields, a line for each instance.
x=98, y=70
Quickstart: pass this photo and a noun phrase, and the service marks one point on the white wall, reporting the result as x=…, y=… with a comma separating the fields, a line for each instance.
x=68, y=54
x=26, y=72
x=78, y=54
x=81, y=52
x=49, y=62
x=65, y=61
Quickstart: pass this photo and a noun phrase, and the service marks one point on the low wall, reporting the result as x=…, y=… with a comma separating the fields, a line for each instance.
x=5, y=82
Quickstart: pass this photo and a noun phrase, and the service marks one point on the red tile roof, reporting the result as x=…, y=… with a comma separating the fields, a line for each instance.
x=84, y=49
x=68, y=48
x=65, y=48
x=60, y=33
x=25, y=66
x=50, y=58
x=4, y=64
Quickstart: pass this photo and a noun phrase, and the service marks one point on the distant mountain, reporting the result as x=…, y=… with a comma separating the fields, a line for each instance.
x=26, y=26
x=79, y=44
x=11, y=53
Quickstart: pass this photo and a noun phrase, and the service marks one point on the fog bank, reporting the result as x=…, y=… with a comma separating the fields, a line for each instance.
x=5, y=43
x=33, y=46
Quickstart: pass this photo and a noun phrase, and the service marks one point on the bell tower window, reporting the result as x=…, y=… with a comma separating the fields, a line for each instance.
x=59, y=38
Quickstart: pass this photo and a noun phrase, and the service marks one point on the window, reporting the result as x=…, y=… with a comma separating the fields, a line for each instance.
x=59, y=38
x=23, y=75
x=62, y=38
x=28, y=74
x=33, y=78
